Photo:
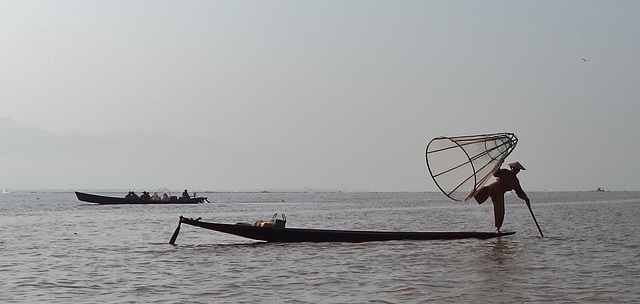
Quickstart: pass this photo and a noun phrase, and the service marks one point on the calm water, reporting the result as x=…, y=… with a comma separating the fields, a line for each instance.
x=56, y=249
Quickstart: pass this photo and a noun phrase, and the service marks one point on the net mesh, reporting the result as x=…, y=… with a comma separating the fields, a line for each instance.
x=460, y=165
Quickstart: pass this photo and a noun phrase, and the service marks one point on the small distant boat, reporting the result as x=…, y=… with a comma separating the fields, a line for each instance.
x=600, y=190
x=276, y=232
x=109, y=200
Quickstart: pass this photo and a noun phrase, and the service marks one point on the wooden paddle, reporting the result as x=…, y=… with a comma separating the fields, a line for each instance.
x=534, y=219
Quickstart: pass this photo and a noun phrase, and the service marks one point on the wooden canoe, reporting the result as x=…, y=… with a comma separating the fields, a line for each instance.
x=272, y=234
x=109, y=200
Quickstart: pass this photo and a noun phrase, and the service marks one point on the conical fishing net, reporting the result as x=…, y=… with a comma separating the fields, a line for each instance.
x=461, y=165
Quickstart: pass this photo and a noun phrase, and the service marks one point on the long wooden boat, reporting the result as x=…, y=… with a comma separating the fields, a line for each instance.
x=272, y=234
x=109, y=200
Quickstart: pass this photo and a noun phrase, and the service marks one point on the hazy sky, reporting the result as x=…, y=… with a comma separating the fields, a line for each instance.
x=338, y=95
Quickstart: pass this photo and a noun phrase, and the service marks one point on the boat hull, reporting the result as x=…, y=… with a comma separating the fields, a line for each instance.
x=294, y=235
x=109, y=200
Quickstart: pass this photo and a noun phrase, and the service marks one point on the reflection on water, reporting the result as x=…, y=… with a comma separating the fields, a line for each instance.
x=62, y=250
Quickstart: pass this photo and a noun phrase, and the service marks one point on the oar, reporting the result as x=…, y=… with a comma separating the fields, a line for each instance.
x=172, y=241
x=534, y=219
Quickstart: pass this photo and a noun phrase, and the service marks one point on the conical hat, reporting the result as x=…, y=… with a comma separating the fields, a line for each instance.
x=517, y=165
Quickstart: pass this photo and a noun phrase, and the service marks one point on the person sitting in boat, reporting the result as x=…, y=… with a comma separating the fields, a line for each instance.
x=145, y=196
x=155, y=197
x=185, y=195
x=506, y=181
x=131, y=195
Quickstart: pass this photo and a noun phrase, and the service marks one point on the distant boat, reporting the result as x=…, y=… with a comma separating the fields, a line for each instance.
x=278, y=233
x=600, y=190
x=109, y=200
x=5, y=191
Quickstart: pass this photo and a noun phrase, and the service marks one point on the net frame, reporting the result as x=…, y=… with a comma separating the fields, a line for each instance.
x=483, y=154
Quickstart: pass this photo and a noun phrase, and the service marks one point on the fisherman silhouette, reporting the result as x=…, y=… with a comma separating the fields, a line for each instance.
x=506, y=181
x=185, y=195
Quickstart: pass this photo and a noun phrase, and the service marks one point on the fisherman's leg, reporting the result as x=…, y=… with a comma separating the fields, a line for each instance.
x=498, y=210
x=482, y=195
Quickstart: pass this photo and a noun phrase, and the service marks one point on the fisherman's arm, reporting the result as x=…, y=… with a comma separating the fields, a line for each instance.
x=521, y=194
